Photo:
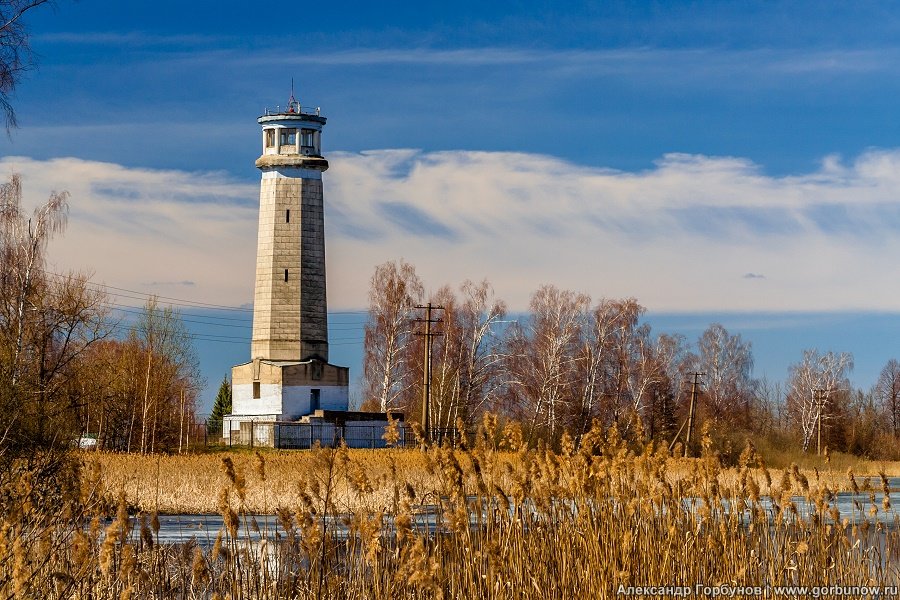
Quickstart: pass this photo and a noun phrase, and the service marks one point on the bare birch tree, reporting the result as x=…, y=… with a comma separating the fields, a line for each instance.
x=394, y=291
x=171, y=376
x=675, y=356
x=887, y=393
x=645, y=373
x=814, y=374
x=728, y=362
x=770, y=398
x=626, y=339
x=479, y=317
x=595, y=355
x=24, y=245
x=542, y=357
x=674, y=362
x=47, y=322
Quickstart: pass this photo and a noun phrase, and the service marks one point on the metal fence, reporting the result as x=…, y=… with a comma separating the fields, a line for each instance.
x=302, y=436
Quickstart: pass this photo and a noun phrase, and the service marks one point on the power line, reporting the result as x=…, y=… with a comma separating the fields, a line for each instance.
x=187, y=320
x=212, y=337
x=143, y=306
x=207, y=320
x=203, y=338
x=336, y=326
x=172, y=298
x=179, y=301
x=134, y=310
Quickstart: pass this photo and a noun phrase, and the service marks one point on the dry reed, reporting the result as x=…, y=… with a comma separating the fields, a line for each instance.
x=508, y=522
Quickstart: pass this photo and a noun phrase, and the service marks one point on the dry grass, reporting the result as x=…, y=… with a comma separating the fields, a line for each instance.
x=190, y=483
x=517, y=523
x=836, y=462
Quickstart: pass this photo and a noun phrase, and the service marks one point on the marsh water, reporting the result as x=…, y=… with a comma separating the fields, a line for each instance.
x=203, y=528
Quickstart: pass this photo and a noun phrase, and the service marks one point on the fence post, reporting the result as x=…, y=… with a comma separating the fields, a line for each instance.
x=251, y=433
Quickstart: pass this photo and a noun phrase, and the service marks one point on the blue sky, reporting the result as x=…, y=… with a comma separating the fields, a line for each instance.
x=736, y=162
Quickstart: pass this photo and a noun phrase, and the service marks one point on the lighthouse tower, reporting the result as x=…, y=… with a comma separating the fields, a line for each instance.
x=289, y=376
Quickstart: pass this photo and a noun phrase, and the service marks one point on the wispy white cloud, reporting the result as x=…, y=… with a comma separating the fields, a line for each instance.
x=699, y=61
x=692, y=233
x=688, y=64
x=677, y=236
x=150, y=230
x=684, y=66
x=128, y=38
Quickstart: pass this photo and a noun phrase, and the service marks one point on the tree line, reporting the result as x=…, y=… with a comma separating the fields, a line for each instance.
x=69, y=368
x=570, y=361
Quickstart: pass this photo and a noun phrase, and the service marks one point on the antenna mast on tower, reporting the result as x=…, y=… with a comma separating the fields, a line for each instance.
x=293, y=103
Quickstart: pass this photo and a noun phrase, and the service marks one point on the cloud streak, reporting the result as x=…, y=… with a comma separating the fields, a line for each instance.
x=267, y=50
x=674, y=235
x=150, y=230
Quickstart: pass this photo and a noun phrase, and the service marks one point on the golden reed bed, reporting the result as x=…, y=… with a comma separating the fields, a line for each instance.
x=593, y=522
x=191, y=483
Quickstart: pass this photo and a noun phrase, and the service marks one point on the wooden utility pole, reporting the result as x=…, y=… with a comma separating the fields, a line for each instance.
x=426, y=374
x=146, y=397
x=428, y=337
x=690, y=424
x=181, y=422
x=819, y=397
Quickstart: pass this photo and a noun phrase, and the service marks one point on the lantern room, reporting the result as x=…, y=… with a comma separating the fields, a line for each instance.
x=295, y=131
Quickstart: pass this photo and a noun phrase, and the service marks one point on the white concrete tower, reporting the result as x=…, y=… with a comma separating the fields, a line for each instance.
x=288, y=375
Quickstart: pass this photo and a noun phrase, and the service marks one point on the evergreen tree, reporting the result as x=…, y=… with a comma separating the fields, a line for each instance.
x=221, y=407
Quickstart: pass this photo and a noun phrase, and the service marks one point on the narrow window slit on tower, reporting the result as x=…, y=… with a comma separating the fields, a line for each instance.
x=285, y=274
x=287, y=216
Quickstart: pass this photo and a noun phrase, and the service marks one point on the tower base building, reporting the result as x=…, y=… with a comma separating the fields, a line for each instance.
x=283, y=390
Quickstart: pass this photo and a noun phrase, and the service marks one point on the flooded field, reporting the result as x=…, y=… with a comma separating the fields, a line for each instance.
x=856, y=508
